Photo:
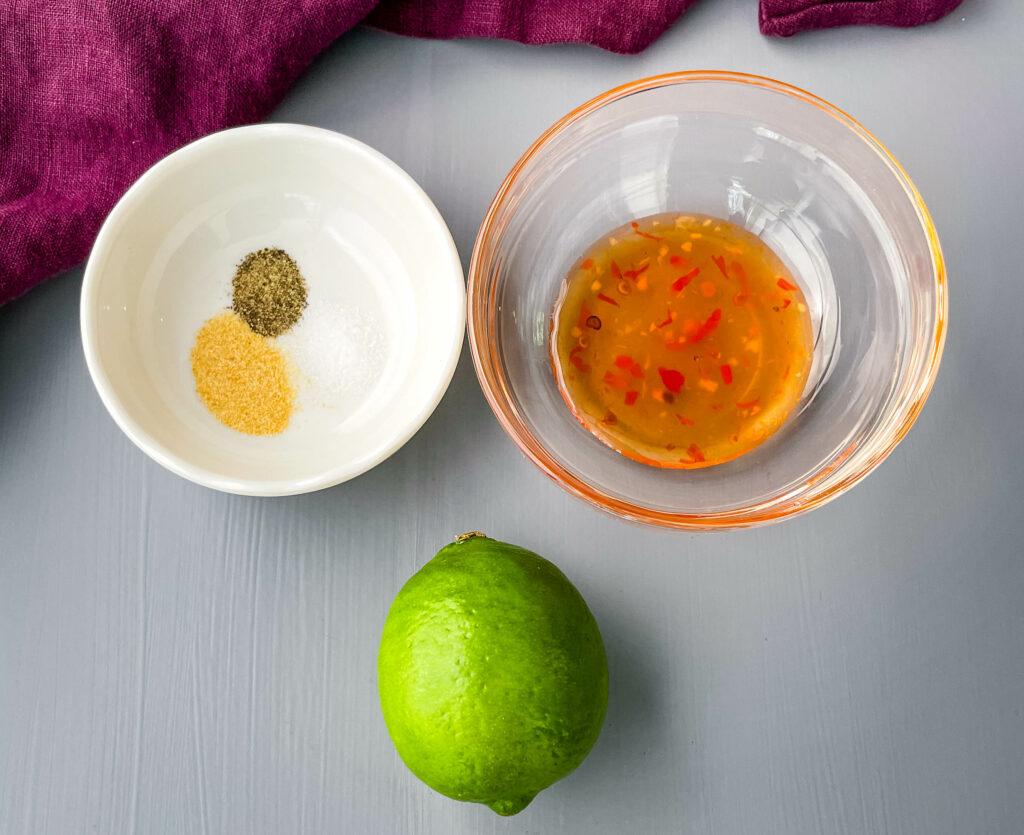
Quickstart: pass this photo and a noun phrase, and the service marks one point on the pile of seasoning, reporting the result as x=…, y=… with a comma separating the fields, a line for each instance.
x=340, y=351
x=268, y=291
x=241, y=374
x=242, y=377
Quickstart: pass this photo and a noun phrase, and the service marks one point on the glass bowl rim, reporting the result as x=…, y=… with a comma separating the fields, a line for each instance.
x=793, y=503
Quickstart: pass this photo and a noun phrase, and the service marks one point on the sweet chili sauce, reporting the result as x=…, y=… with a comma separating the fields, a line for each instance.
x=681, y=340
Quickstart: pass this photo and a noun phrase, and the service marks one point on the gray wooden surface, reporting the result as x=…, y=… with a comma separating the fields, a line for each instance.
x=174, y=660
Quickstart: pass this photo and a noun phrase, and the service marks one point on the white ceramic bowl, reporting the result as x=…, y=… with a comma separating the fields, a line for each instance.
x=374, y=251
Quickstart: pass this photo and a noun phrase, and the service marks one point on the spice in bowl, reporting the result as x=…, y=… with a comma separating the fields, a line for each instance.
x=242, y=377
x=681, y=341
x=269, y=292
x=340, y=352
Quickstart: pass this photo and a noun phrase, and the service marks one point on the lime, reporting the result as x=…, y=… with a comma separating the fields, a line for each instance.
x=492, y=674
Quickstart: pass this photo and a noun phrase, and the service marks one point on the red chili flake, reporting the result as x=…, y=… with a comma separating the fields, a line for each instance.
x=695, y=454
x=684, y=420
x=631, y=397
x=637, y=371
x=726, y=374
x=672, y=379
x=785, y=374
x=677, y=260
x=668, y=319
x=584, y=315
x=610, y=418
x=720, y=263
x=683, y=280
x=586, y=265
x=709, y=325
x=616, y=272
x=608, y=299
x=785, y=285
x=580, y=364
x=615, y=381
x=636, y=228
x=786, y=303
x=749, y=405
x=634, y=274
x=623, y=362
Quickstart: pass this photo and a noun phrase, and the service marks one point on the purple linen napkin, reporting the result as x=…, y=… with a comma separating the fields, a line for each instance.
x=787, y=17
x=93, y=92
x=624, y=26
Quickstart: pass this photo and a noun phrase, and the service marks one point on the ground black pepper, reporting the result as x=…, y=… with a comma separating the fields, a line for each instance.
x=269, y=292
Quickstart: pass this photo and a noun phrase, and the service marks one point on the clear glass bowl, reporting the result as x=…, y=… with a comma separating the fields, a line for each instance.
x=806, y=178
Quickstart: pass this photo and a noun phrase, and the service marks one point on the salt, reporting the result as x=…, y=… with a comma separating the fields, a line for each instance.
x=338, y=353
